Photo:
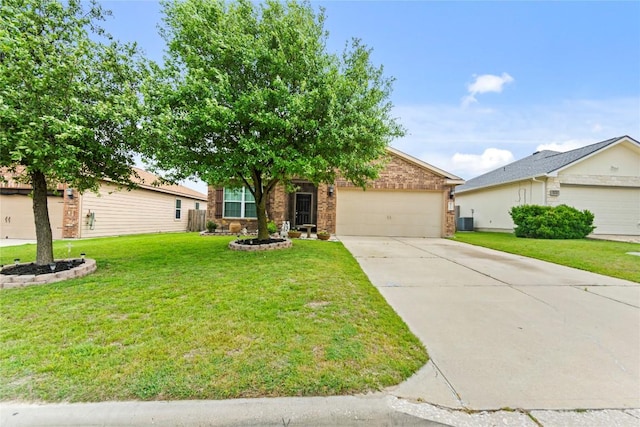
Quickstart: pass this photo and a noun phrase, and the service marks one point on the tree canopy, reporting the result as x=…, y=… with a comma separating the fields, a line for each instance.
x=69, y=104
x=249, y=95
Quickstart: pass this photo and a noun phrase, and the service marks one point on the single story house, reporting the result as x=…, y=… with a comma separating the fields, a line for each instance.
x=603, y=178
x=409, y=198
x=146, y=209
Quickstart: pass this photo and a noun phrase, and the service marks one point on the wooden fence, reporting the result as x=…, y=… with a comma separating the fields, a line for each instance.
x=197, y=220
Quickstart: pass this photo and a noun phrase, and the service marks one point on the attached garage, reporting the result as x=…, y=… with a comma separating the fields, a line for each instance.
x=616, y=210
x=16, y=211
x=389, y=213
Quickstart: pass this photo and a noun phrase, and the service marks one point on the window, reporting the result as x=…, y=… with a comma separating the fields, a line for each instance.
x=197, y=206
x=178, y=208
x=239, y=203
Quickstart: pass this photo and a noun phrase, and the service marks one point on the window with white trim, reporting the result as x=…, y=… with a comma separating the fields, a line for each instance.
x=239, y=203
x=178, y=208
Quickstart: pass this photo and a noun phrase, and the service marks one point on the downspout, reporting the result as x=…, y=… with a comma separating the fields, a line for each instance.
x=544, y=190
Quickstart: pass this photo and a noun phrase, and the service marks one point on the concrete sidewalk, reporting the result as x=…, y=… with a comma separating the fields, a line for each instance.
x=505, y=331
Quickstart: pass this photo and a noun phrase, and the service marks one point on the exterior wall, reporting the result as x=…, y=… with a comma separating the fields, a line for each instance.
x=327, y=208
x=118, y=212
x=490, y=207
x=398, y=174
x=17, y=221
x=618, y=165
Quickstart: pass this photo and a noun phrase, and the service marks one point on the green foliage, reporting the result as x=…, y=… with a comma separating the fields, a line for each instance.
x=547, y=222
x=250, y=96
x=178, y=316
x=272, y=227
x=211, y=226
x=69, y=105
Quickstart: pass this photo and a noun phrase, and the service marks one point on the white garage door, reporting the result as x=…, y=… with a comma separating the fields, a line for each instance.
x=389, y=213
x=616, y=210
x=16, y=214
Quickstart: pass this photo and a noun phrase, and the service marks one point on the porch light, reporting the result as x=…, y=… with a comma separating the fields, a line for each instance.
x=331, y=190
x=70, y=193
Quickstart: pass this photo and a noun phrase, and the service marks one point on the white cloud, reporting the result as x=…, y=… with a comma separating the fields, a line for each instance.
x=483, y=84
x=477, y=164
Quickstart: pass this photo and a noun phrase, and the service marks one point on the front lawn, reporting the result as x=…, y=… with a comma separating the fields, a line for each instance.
x=179, y=316
x=598, y=256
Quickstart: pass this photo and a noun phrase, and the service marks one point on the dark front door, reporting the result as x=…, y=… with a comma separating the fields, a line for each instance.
x=303, y=208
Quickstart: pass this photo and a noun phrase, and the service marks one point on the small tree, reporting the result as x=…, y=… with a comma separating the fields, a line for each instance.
x=249, y=96
x=68, y=104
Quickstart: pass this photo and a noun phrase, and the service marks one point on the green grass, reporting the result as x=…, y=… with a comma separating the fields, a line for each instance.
x=598, y=256
x=179, y=316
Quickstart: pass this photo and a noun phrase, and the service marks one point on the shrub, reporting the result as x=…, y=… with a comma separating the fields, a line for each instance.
x=211, y=226
x=272, y=227
x=547, y=222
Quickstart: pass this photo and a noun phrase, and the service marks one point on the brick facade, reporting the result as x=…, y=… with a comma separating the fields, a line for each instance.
x=71, y=214
x=399, y=174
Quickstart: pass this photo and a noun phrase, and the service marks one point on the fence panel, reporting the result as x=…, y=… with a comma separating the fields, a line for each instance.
x=196, y=220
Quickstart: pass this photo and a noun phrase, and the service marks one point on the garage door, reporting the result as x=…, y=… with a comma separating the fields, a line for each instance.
x=16, y=212
x=616, y=210
x=389, y=213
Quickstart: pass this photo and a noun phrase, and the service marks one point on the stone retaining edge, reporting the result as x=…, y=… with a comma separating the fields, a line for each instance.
x=20, y=281
x=253, y=248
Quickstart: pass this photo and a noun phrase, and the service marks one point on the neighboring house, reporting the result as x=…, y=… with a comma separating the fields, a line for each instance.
x=603, y=178
x=409, y=198
x=146, y=209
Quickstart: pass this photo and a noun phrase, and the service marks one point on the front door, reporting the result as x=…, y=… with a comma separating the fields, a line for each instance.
x=303, y=208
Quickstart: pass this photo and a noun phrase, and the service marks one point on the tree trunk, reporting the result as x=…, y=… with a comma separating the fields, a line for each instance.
x=44, y=238
x=261, y=210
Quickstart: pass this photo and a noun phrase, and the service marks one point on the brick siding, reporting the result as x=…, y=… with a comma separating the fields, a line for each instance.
x=398, y=174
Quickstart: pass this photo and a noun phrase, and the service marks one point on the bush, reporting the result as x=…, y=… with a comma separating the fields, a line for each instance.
x=211, y=226
x=272, y=227
x=547, y=222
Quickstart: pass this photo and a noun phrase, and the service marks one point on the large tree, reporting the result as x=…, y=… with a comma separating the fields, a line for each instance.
x=69, y=101
x=249, y=95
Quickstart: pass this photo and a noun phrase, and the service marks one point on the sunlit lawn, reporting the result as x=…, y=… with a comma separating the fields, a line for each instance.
x=598, y=256
x=179, y=316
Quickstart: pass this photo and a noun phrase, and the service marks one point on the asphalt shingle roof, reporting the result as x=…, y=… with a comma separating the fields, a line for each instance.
x=537, y=164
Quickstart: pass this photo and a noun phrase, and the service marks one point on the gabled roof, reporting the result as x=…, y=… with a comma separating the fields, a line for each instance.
x=451, y=178
x=145, y=180
x=149, y=181
x=540, y=163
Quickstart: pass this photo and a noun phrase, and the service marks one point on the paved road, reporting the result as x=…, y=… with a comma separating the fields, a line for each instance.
x=508, y=331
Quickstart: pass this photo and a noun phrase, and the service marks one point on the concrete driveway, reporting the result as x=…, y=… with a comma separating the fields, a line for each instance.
x=506, y=331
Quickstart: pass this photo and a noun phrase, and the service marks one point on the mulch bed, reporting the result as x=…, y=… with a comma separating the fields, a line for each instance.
x=35, y=269
x=254, y=242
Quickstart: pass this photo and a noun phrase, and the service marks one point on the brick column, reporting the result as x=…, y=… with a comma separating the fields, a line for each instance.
x=71, y=214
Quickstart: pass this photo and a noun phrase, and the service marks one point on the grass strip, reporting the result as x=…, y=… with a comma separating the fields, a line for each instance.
x=598, y=256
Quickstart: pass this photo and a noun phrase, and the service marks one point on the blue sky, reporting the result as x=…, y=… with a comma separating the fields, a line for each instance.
x=480, y=84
